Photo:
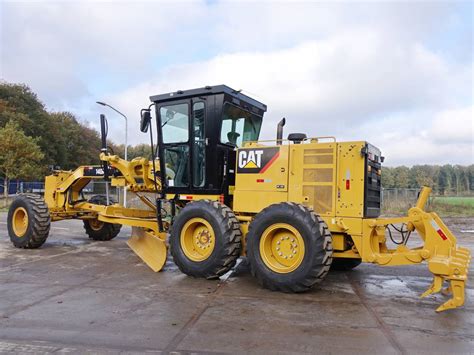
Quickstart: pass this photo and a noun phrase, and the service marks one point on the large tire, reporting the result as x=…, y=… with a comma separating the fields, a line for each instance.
x=101, y=231
x=98, y=230
x=28, y=221
x=305, y=242
x=205, y=239
x=344, y=264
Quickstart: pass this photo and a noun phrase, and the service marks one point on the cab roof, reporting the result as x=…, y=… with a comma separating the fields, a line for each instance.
x=208, y=90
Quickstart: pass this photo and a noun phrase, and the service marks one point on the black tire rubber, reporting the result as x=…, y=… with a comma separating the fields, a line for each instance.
x=318, y=248
x=109, y=230
x=227, y=244
x=102, y=200
x=39, y=221
x=344, y=264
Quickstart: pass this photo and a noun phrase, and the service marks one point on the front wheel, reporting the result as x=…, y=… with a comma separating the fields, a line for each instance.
x=289, y=248
x=205, y=239
x=28, y=221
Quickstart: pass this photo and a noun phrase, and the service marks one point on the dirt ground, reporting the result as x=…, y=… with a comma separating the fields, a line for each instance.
x=75, y=295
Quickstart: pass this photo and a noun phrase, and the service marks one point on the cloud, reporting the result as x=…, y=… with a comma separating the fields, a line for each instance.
x=59, y=47
x=389, y=72
x=455, y=125
x=345, y=85
x=425, y=137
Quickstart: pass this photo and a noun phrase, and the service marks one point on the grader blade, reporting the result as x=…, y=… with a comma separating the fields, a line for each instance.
x=150, y=248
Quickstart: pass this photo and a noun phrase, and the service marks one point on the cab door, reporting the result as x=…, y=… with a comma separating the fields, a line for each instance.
x=198, y=146
x=174, y=146
x=183, y=146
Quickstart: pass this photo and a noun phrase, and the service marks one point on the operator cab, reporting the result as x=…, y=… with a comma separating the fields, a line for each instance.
x=198, y=132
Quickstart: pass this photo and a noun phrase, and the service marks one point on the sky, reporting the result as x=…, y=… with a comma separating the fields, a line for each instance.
x=396, y=74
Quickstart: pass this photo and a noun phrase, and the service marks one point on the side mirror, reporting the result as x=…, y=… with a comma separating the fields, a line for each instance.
x=145, y=120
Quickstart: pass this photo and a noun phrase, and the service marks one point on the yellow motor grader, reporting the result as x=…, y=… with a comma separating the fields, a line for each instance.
x=294, y=207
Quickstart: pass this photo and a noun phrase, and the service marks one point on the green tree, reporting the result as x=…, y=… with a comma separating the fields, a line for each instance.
x=388, y=179
x=78, y=144
x=20, y=155
x=401, y=175
x=422, y=175
x=30, y=114
x=443, y=181
x=470, y=178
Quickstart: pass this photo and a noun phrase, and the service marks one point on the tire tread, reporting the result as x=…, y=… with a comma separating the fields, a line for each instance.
x=231, y=238
x=40, y=221
x=318, y=271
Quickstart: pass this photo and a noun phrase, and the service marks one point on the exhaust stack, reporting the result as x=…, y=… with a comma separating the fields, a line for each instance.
x=280, y=130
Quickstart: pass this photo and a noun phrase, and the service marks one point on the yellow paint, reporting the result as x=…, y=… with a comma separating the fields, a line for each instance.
x=197, y=239
x=338, y=241
x=151, y=248
x=20, y=222
x=314, y=173
x=282, y=248
x=351, y=166
x=252, y=202
x=244, y=227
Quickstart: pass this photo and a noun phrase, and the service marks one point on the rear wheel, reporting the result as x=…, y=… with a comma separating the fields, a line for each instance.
x=98, y=230
x=344, y=264
x=205, y=239
x=289, y=248
x=28, y=221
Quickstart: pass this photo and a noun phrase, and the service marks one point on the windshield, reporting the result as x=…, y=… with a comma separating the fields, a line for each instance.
x=239, y=126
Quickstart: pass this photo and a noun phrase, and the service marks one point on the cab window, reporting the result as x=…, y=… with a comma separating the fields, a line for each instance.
x=239, y=126
x=175, y=123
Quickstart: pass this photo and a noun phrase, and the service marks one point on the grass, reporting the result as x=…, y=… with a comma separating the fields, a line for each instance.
x=445, y=206
x=453, y=206
x=455, y=201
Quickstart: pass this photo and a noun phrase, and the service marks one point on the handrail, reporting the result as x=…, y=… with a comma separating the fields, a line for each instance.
x=287, y=140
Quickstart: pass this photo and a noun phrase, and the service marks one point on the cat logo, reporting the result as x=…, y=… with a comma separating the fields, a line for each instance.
x=250, y=159
x=256, y=161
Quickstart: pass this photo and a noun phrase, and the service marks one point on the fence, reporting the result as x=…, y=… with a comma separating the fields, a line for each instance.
x=93, y=188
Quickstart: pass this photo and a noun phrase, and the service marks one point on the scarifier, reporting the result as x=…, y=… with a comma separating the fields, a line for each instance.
x=294, y=207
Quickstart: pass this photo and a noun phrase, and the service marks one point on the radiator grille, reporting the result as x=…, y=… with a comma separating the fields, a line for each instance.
x=319, y=178
x=318, y=159
x=320, y=197
x=317, y=175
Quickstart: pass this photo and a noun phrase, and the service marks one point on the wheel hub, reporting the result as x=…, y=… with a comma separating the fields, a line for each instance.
x=197, y=239
x=203, y=239
x=95, y=224
x=282, y=248
x=20, y=222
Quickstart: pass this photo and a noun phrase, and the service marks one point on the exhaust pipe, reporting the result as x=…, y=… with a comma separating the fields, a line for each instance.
x=280, y=130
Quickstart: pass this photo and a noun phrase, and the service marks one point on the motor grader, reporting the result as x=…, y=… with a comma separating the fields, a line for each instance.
x=212, y=192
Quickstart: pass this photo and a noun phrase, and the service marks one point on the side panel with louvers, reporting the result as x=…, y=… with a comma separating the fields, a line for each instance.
x=313, y=176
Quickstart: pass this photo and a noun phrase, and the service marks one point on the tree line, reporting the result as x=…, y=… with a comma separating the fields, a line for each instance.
x=445, y=179
x=32, y=140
